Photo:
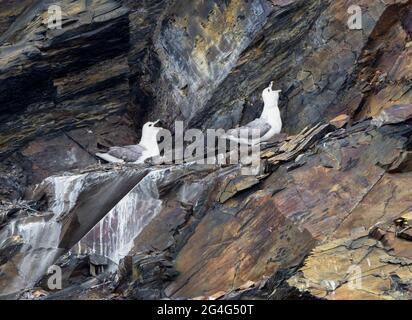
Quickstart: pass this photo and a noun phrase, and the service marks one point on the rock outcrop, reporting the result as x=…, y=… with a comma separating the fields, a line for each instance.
x=327, y=217
x=326, y=194
x=116, y=64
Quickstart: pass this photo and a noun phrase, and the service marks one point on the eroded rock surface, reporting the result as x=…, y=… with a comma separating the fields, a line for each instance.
x=326, y=218
x=326, y=194
x=116, y=64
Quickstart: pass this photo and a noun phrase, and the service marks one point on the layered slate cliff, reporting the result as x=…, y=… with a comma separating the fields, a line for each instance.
x=191, y=230
x=116, y=64
x=335, y=187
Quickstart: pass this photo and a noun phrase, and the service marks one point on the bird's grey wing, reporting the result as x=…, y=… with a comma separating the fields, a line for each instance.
x=127, y=154
x=137, y=151
x=259, y=124
x=136, y=148
x=107, y=157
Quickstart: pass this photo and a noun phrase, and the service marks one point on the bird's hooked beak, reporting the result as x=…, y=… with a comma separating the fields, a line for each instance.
x=156, y=122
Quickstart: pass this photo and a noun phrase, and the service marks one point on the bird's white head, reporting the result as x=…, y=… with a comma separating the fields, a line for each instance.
x=150, y=128
x=270, y=96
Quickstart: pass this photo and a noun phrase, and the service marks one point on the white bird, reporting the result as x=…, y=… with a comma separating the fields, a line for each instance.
x=146, y=148
x=269, y=123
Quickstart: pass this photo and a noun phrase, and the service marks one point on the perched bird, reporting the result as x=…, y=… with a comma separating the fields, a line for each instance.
x=269, y=123
x=138, y=153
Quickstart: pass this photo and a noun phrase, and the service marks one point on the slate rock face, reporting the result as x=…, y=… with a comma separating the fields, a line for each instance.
x=55, y=82
x=326, y=195
x=116, y=64
x=358, y=268
x=394, y=114
x=331, y=188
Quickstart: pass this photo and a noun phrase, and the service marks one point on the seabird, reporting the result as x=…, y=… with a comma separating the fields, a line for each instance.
x=138, y=153
x=269, y=123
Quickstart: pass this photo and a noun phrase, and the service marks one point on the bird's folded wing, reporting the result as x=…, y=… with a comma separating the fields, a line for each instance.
x=107, y=157
x=127, y=153
x=257, y=124
x=136, y=148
